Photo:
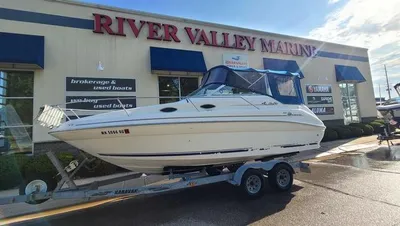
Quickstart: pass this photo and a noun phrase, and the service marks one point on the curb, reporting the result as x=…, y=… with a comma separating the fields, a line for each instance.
x=336, y=152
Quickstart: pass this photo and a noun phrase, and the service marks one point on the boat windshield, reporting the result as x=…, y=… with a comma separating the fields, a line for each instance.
x=215, y=89
x=221, y=81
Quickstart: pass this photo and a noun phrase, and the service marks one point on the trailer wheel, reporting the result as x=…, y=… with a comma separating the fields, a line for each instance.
x=37, y=184
x=281, y=177
x=253, y=183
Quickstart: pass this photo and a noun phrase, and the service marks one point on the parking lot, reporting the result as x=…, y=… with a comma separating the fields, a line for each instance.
x=353, y=188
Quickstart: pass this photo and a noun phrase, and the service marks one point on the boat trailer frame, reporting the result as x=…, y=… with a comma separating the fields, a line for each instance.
x=91, y=190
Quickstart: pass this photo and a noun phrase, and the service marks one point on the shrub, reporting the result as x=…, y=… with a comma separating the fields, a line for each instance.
x=41, y=164
x=367, y=129
x=97, y=168
x=356, y=131
x=381, y=121
x=330, y=134
x=14, y=168
x=376, y=126
x=343, y=132
x=11, y=170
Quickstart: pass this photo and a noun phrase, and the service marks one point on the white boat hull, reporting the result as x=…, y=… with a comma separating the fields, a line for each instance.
x=151, y=148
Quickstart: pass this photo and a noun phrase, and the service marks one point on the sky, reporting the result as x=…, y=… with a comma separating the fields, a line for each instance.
x=373, y=24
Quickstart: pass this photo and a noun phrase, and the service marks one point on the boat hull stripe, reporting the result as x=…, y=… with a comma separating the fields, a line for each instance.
x=174, y=154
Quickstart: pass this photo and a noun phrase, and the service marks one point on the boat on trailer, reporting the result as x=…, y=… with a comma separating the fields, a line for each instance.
x=235, y=116
x=246, y=123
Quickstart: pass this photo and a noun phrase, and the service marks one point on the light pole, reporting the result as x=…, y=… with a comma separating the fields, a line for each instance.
x=387, y=81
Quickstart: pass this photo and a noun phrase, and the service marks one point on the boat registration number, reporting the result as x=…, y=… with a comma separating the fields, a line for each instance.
x=120, y=131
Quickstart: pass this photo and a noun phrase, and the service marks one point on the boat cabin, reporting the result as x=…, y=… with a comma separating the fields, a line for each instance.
x=283, y=86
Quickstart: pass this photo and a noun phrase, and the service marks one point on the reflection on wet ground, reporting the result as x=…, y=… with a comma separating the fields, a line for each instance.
x=385, y=154
x=379, y=158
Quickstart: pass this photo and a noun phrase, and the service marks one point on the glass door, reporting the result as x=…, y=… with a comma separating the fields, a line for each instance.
x=350, y=103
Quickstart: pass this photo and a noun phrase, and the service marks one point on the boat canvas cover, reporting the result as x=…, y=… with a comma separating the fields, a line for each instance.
x=283, y=86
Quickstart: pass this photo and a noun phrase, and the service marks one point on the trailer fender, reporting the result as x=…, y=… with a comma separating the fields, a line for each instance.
x=263, y=166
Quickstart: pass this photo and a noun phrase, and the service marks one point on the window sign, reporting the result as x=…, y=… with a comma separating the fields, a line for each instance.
x=323, y=110
x=319, y=99
x=100, y=102
x=236, y=60
x=100, y=84
x=319, y=88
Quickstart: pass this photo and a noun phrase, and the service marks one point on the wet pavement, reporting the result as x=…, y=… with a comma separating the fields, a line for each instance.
x=354, y=188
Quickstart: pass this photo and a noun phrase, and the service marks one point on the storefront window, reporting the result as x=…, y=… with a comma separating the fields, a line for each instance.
x=16, y=111
x=350, y=103
x=173, y=89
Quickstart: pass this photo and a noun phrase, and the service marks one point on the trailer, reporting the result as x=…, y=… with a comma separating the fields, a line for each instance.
x=250, y=177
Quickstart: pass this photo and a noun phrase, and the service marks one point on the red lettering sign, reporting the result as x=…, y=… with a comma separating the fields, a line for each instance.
x=170, y=32
x=196, y=36
x=98, y=25
x=134, y=28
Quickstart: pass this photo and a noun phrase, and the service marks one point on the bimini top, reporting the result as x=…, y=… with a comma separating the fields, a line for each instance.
x=283, y=86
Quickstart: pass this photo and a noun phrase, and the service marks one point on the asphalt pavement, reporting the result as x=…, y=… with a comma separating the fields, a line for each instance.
x=354, y=188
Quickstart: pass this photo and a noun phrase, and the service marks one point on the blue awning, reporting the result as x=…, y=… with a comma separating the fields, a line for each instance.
x=164, y=59
x=27, y=50
x=348, y=74
x=282, y=65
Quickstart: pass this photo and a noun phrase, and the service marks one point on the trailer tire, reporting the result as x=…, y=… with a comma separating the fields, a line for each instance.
x=45, y=183
x=280, y=177
x=253, y=183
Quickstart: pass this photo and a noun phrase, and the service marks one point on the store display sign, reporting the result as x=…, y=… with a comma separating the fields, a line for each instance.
x=100, y=102
x=100, y=84
x=323, y=110
x=319, y=88
x=319, y=99
x=236, y=60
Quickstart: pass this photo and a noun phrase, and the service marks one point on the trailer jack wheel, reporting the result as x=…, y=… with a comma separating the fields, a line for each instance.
x=253, y=183
x=37, y=184
x=280, y=177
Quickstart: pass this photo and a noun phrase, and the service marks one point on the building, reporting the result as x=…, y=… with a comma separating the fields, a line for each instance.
x=57, y=51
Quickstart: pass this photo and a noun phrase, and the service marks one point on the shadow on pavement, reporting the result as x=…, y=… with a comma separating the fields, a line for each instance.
x=217, y=204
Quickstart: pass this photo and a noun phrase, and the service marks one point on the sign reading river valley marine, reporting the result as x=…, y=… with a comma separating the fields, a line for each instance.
x=318, y=88
x=100, y=102
x=100, y=84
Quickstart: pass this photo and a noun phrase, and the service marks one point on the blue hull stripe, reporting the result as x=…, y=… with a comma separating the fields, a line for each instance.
x=174, y=154
x=56, y=20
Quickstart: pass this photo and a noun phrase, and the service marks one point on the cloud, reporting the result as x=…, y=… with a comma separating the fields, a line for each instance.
x=371, y=24
x=330, y=2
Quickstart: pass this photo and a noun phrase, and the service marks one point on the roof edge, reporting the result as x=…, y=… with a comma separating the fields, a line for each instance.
x=186, y=20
